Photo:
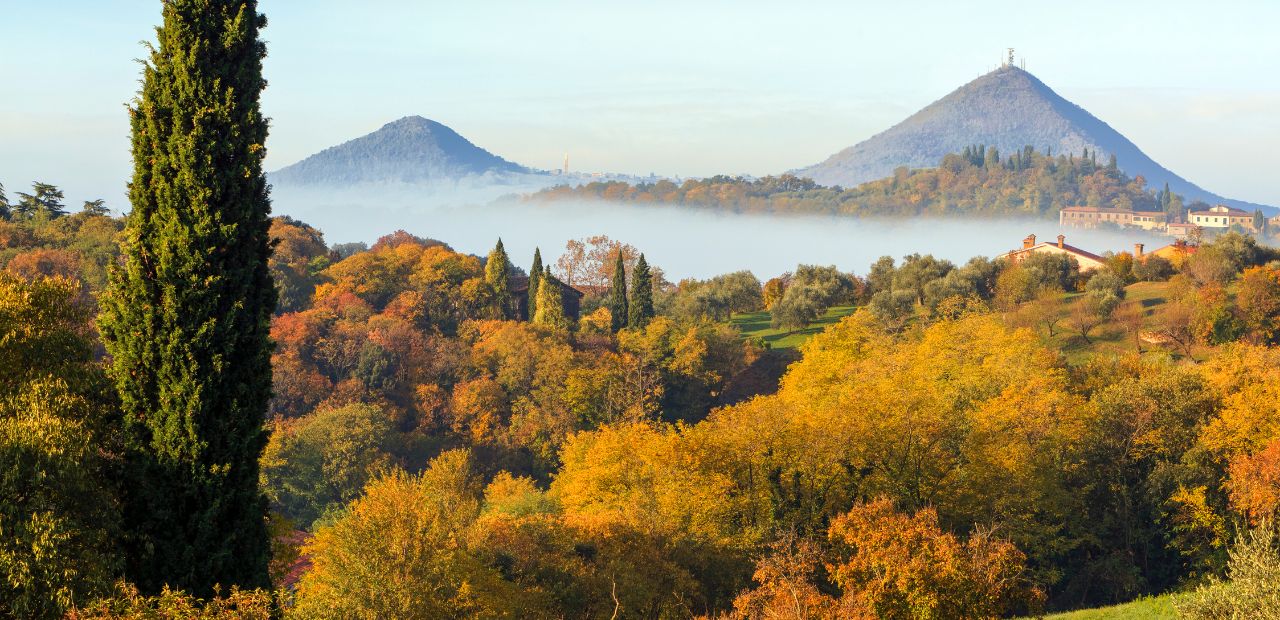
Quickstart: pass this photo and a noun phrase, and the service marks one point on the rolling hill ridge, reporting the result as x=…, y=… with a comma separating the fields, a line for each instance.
x=412, y=149
x=1008, y=108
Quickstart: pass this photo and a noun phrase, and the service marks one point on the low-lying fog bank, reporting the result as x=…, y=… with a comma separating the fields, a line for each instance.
x=685, y=242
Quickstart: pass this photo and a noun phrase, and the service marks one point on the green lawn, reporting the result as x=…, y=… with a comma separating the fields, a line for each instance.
x=757, y=325
x=1152, y=608
x=1109, y=338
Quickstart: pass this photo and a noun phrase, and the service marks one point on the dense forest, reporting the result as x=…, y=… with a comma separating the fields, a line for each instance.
x=209, y=412
x=978, y=182
x=434, y=453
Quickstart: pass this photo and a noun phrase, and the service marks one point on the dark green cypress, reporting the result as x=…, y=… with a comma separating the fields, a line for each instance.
x=641, y=309
x=187, y=316
x=497, y=269
x=618, y=295
x=535, y=279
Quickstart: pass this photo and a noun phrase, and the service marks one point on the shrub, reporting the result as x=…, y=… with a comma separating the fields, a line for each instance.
x=1252, y=589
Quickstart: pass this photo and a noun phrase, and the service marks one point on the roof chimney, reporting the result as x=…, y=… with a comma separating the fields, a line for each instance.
x=1137, y=250
x=1062, y=240
x=1029, y=241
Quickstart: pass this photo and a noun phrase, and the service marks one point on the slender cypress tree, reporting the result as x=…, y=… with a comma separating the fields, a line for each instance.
x=618, y=295
x=496, y=272
x=187, y=315
x=535, y=279
x=641, y=309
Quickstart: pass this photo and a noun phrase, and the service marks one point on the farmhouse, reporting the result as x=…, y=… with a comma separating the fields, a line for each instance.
x=1222, y=216
x=1176, y=252
x=1092, y=217
x=1181, y=230
x=1088, y=261
x=570, y=297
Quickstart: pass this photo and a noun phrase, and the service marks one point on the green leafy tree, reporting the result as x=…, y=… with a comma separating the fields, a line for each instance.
x=186, y=316
x=496, y=273
x=641, y=302
x=535, y=279
x=618, y=295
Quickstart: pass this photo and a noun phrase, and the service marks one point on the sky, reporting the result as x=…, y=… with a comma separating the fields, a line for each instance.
x=688, y=88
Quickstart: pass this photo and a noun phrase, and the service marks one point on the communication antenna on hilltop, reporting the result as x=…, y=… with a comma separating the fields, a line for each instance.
x=566, y=164
x=1010, y=63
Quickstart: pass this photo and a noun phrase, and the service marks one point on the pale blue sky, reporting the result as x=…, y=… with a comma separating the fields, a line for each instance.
x=677, y=88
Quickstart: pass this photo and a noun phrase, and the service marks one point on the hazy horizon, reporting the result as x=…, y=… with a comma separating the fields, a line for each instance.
x=676, y=89
x=684, y=242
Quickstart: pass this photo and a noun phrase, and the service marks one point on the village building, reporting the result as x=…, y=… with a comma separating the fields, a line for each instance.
x=1222, y=216
x=1088, y=261
x=1092, y=217
x=1181, y=230
x=570, y=297
x=1176, y=252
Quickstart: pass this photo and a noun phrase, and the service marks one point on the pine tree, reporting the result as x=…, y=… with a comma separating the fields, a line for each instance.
x=618, y=295
x=496, y=272
x=641, y=309
x=4, y=205
x=535, y=279
x=550, y=305
x=43, y=199
x=187, y=315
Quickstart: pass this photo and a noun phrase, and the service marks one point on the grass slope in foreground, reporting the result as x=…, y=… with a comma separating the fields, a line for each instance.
x=759, y=325
x=1151, y=608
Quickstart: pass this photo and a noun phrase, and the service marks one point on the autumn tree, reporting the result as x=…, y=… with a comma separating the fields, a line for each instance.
x=787, y=584
x=1132, y=317
x=187, y=314
x=59, y=516
x=550, y=303
x=299, y=256
x=1254, y=483
x=398, y=551
x=1086, y=315
x=322, y=461
x=1045, y=310
x=906, y=566
x=1259, y=301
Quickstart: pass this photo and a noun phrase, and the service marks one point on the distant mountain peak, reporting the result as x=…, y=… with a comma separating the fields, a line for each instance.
x=412, y=149
x=1008, y=108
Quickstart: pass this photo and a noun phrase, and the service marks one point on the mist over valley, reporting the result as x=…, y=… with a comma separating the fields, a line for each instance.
x=684, y=242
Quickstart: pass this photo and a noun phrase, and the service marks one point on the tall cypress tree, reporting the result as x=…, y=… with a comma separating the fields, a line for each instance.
x=641, y=309
x=618, y=295
x=187, y=315
x=496, y=272
x=535, y=279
